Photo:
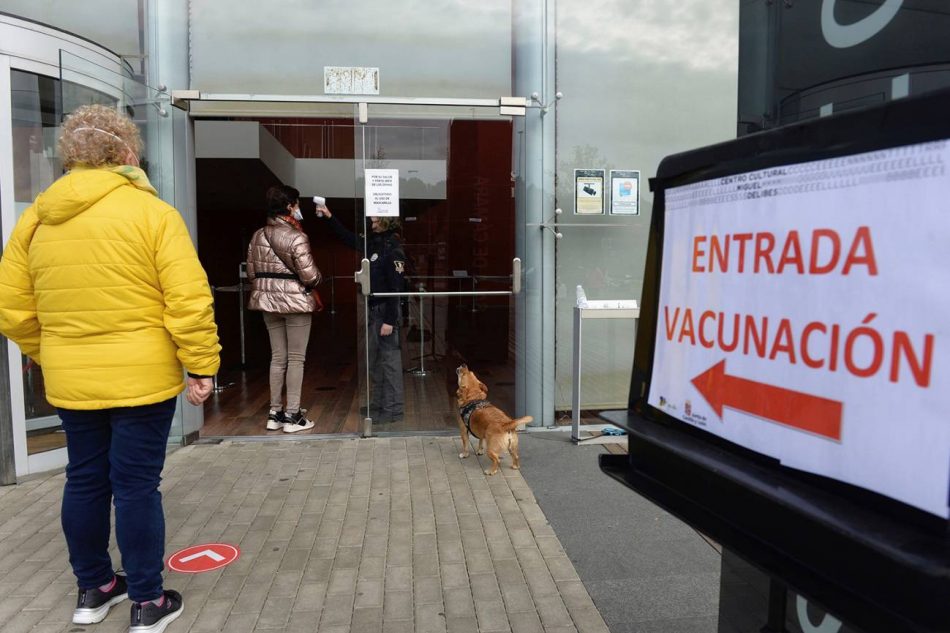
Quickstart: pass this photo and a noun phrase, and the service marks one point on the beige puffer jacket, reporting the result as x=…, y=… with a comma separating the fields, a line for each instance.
x=274, y=286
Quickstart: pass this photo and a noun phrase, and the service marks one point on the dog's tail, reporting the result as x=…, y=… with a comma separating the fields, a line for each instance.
x=514, y=424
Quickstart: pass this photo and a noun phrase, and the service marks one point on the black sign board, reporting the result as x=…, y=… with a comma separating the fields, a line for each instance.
x=849, y=559
x=798, y=56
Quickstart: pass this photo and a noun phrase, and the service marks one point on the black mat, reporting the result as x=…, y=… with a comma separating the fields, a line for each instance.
x=646, y=571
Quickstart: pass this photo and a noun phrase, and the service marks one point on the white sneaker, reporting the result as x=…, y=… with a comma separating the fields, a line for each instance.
x=276, y=420
x=297, y=422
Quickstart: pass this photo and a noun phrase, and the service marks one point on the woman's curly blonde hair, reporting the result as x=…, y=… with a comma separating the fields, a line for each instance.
x=96, y=136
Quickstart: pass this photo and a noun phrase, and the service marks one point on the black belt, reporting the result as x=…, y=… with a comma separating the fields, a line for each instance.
x=275, y=276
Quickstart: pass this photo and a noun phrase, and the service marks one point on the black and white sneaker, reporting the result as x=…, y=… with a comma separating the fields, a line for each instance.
x=276, y=420
x=297, y=422
x=93, y=604
x=153, y=618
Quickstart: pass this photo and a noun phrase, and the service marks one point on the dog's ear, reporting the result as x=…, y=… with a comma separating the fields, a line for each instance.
x=478, y=382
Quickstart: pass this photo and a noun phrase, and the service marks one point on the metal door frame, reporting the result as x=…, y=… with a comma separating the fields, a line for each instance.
x=508, y=106
x=200, y=105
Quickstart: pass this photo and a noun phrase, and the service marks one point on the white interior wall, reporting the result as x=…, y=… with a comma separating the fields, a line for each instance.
x=327, y=177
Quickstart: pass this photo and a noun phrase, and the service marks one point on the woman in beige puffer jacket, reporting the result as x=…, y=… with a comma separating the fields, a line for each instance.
x=282, y=273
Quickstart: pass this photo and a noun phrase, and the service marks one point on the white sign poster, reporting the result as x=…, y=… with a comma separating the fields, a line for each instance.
x=350, y=80
x=382, y=193
x=589, y=191
x=804, y=313
x=624, y=192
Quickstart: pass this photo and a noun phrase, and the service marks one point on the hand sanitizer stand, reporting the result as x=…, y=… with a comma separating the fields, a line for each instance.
x=584, y=309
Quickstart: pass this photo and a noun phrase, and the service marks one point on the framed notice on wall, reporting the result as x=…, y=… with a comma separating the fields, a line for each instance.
x=624, y=192
x=589, y=191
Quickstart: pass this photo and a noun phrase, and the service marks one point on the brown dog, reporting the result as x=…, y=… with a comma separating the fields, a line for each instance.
x=492, y=426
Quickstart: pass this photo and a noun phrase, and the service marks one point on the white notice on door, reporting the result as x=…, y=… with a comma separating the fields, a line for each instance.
x=382, y=193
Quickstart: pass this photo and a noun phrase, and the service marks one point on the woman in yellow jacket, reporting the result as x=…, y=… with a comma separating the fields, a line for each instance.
x=101, y=286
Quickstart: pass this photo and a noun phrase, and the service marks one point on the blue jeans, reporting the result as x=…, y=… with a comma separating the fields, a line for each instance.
x=116, y=454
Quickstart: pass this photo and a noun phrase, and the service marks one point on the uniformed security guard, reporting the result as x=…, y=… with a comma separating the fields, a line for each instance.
x=387, y=266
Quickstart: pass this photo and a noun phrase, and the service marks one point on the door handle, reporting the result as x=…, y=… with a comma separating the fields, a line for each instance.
x=515, y=286
x=361, y=277
x=516, y=275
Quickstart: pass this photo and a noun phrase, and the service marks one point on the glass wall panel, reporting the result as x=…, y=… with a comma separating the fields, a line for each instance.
x=37, y=112
x=110, y=23
x=457, y=208
x=35, y=101
x=86, y=82
x=316, y=156
x=649, y=81
x=454, y=48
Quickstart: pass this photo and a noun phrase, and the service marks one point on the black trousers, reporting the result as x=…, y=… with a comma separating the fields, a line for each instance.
x=385, y=365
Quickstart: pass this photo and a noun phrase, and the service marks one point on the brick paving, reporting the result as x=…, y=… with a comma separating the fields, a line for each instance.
x=384, y=535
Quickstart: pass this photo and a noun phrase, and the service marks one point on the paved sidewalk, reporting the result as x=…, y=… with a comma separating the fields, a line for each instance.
x=391, y=535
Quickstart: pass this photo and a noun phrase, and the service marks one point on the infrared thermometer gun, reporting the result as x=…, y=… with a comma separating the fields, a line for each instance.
x=319, y=202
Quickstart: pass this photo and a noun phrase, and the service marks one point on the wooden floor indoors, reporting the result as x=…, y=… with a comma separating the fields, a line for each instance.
x=332, y=390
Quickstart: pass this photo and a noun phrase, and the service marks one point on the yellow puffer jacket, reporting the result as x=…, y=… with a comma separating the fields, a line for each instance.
x=100, y=285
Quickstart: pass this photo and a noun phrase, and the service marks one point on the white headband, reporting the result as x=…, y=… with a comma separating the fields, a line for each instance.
x=95, y=129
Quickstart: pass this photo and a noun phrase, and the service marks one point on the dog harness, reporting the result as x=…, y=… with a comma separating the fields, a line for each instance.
x=467, y=410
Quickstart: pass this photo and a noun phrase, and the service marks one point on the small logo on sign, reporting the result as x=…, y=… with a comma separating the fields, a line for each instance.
x=201, y=558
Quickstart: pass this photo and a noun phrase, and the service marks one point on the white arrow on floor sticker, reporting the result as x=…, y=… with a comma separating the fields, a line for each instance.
x=210, y=553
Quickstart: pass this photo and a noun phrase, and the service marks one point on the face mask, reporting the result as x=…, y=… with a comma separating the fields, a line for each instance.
x=297, y=214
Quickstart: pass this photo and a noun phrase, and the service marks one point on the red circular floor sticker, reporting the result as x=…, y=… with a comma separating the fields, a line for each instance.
x=201, y=558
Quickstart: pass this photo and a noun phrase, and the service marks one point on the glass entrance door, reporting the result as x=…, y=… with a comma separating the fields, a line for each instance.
x=438, y=265
x=449, y=290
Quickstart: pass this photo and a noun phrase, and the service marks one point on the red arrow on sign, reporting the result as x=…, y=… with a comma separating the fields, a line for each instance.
x=792, y=408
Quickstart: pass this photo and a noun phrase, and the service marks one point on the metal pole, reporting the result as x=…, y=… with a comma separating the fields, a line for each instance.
x=241, y=317
x=332, y=294
x=7, y=458
x=421, y=370
x=576, y=382
x=215, y=386
x=422, y=338
x=441, y=293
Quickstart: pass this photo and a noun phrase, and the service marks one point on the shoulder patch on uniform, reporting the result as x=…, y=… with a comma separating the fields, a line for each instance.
x=400, y=266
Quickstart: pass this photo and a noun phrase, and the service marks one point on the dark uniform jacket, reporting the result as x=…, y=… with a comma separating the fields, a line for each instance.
x=387, y=265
